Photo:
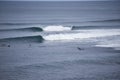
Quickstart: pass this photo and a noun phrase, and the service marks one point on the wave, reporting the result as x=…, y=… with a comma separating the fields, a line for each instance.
x=115, y=46
x=56, y=28
x=109, y=20
x=47, y=28
x=113, y=42
x=24, y=29
x=94, y=27
x=106, y=20
x=24, y=39
x=17, y=23
x=83, y=27
x=69, y=28
x=83, y=35
x=60, y=28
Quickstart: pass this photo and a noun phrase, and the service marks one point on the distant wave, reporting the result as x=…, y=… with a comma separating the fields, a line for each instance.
x=24, y=29
x=109, y=20
x=17, y=23
x=24, y=39
x=83, y=27
x=94, y=27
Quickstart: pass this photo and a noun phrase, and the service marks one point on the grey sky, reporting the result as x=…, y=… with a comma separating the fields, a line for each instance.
x=56, y=0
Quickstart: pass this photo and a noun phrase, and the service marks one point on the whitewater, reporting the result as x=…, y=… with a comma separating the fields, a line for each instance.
x=61, y=33
x=59, y=40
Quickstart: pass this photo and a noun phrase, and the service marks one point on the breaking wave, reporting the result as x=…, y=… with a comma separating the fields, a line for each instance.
x=47, y=28
x=56, y=28
x=83, y=35
x=59, y=28
x=113, y=41
x=66, y=36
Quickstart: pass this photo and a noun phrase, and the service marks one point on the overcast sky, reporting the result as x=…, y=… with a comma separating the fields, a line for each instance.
x=57, y=0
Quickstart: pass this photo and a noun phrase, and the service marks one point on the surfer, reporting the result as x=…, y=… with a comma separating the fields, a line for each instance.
x=79, y=48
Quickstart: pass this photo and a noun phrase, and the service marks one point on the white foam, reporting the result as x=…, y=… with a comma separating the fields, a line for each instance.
x=84, y=35
x=56, y=28
x=115, y=46
x=114, y=43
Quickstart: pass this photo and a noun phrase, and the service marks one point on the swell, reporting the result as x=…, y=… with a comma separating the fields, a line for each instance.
x=94, y=27
x=24, y=39
x=34, y=29
x=109, y=20
x=63, y=64
x=59, y=28
x=17, y=23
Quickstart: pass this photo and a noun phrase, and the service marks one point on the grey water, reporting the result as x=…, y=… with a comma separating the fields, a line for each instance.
x=59, y=40
x=58, y=12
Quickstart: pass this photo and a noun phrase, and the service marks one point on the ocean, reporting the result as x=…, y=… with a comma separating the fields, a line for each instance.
x=59, y=40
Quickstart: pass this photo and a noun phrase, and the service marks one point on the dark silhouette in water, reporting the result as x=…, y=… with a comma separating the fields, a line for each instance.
x=9, y=45
x=80, y=48
x=5, y=45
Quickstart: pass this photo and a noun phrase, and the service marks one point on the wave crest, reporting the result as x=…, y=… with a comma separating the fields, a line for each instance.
x=56, y=28
x=83, y=35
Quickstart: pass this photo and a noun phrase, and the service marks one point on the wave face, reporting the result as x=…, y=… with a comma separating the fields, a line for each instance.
x=34, y=29
x=24, y=39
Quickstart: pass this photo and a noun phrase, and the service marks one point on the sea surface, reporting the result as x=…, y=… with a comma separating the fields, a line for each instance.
x=59, y=40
